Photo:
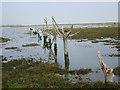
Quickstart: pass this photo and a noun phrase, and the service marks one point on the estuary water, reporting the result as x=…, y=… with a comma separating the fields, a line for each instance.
x=81, y=54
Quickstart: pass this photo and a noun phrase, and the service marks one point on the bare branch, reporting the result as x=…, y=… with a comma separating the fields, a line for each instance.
x=75, y=34
x=68, y=34
x=46, y=23
x=51, y=54
x=103, y=65
x=53, y=40
x=57, y=27
x=108, y=71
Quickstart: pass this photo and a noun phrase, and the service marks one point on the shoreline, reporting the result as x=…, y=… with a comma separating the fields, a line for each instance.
x=109, y=23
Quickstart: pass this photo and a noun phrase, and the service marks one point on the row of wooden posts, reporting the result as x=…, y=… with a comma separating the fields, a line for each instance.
x=108, y=71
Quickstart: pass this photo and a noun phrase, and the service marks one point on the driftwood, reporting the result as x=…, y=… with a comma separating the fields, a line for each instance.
x=65, y=34
x=52, y=55
x=108, y=71
x=46, y=23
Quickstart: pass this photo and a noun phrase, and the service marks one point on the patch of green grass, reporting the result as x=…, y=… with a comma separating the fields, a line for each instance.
x=93, y=33
x=14, y=85
x=4, y=39
x=31, y=45
x=116, y=70
x=11, y=48
x=30, y=74
x=97, y=84
x=33, y=74
x=81, y=71
x=84, y=71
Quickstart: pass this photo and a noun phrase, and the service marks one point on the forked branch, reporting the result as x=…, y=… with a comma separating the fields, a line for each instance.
x=103, y=65
x=75, y=34
x=56, y=26
x=46, y=23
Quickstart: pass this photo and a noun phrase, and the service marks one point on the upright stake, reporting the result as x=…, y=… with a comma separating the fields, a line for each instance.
x=108, y=71
x=65, y=34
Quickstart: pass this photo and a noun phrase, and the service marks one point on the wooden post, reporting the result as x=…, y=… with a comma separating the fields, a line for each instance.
x=65, y=34
x=108, y=71
x=53, y=55
x=65, y=46
x=46, y=23
x=45, y=43
x=55, y=52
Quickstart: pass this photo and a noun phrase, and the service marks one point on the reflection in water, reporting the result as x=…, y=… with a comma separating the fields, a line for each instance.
x=48, y=45
x=55, y=48
x=66, y=61
x=55, y=51
x=39, y=37
x=45, y=43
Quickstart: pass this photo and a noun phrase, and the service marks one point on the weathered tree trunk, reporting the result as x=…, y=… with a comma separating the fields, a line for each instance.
x=65, y=46
x=55, y=49
x=55, y=52
x=55, y=39
x=66, y=56
x=50, y=43
x=108, y=71
x=39, y=37
x=45, y=44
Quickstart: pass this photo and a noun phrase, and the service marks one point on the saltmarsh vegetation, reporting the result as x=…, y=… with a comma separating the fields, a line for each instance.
x=25, y=73
x=117, y=70
x=4, y=39
x=11, y=48
x=96, y=33
x=31, y=45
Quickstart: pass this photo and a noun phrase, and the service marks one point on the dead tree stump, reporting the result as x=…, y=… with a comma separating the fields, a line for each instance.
x=108, y=71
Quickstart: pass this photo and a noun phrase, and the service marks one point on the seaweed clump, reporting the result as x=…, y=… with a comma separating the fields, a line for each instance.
x=4, y=39
x=116, y=70
x=31, y=45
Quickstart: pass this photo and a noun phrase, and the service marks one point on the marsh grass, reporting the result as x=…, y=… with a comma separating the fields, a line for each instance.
x=24, y=73
x=4, y=39
x=116, y=70
x=11, y=48
x=14, y=85
x=95, y=33
x=33, y=74
x=31, y=45
x=81, y=71
x=109, y=23
x=114, y=55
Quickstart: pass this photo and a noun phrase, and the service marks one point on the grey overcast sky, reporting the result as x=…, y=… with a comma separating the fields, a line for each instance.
x=64, y=12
